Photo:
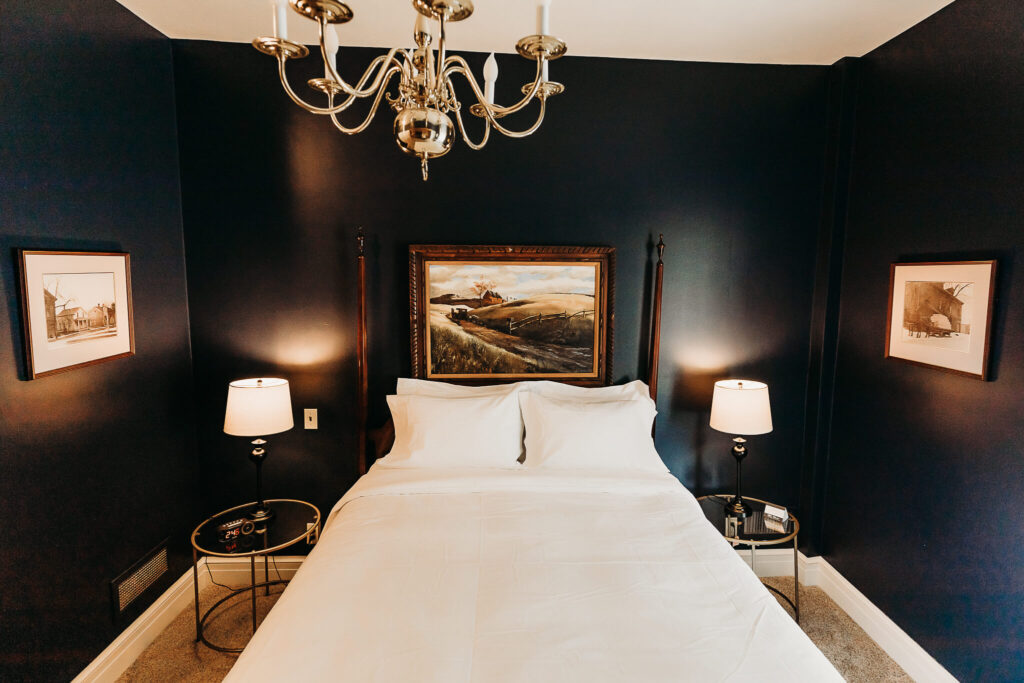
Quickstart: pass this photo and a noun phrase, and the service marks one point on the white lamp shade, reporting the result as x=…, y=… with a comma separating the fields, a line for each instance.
x=740, y=406
x=258, y=407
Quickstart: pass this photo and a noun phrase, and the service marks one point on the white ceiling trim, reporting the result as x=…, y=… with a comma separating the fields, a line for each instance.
x=742, y=31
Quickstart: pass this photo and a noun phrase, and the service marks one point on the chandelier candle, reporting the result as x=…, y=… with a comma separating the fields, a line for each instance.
x=490, y=77
x=331, y=48
x=543, y=26
x=418, y=84
x=281, y=19
x=421, y=31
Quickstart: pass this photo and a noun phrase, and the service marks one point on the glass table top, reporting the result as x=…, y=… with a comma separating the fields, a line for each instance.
x=231, y=532
x=753, y=530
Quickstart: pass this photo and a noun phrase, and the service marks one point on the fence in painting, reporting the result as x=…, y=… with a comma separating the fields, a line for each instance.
x=540, y=317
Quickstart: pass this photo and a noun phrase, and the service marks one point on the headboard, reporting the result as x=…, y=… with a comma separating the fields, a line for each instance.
x=383, y=437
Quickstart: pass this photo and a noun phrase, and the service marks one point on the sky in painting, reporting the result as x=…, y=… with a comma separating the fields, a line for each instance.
x=964, y=292
x=511, y=281
x=83, y=290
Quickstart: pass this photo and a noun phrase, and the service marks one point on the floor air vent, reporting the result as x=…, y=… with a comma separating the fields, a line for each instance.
x=133, y=582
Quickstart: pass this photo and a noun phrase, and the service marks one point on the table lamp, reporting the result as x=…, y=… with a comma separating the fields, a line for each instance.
x=740, y=406
x=258, y=407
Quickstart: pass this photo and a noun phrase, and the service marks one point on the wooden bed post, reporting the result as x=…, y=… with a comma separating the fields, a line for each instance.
x=361, y=368
x=655, y=347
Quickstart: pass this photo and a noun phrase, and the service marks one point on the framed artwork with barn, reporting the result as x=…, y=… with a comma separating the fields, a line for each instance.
x=481, y=314
x=76, y=309
x=940, y=315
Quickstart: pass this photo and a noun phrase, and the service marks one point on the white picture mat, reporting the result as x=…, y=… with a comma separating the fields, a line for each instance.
x=47, y=357
x=973, y=360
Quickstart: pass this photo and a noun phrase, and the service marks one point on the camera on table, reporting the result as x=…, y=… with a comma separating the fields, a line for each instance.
x=233, y=530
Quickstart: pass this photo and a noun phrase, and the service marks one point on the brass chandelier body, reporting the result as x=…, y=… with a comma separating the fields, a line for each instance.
x=425, y=98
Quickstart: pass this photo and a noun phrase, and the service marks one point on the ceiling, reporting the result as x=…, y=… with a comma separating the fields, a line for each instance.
x=746, y=31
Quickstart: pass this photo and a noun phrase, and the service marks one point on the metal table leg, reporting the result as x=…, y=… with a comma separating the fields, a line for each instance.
x=195, y=584
x=252, y=579
x=794, y=601
x=796, y=580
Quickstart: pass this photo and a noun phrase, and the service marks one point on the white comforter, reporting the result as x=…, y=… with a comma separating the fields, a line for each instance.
x=525, y=575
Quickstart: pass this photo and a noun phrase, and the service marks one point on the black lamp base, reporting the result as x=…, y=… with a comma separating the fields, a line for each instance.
x=261, y=514
x=737, y=507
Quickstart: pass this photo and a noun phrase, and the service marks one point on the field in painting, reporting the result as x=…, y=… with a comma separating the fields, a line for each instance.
x=453, y=350
x=512, y=318
x=548, y=335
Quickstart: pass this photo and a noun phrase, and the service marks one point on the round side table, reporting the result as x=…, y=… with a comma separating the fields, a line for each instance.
x=232, y=534
x=753, y=532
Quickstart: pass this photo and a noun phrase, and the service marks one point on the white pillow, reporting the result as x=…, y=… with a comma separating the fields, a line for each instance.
x=609, y=435
x=455, y=432
x=635, y=390
x=426, y=387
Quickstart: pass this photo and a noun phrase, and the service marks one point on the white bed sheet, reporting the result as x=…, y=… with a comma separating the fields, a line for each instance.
x=499, y=575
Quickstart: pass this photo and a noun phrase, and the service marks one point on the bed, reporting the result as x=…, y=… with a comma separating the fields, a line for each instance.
x=525, y=532
x=510, y=575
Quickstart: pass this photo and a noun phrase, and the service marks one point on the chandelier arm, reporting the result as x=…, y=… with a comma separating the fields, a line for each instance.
x=523, y=133
x=373, y=110
x=459, y=65
x=462, y=128
x=490, y=114
x=357, y=91
x=377, y=62
x=311, y=108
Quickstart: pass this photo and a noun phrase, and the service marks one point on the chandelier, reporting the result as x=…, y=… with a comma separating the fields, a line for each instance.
x=425, y=96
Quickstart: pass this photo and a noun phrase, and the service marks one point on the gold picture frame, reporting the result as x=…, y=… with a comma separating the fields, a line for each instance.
x=482, y=314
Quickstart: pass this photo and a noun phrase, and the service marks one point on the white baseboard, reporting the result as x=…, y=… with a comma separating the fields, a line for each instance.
x=235, y=571
x=814, y=571
x=774, y=561
x=127, y=647
x=904, y=650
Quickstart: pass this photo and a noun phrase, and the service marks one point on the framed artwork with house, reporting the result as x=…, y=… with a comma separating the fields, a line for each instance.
x=76, y=309
x=940, y=315
x=505, y=313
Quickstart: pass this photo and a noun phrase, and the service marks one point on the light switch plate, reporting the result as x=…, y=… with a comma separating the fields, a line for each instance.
x=309, y=418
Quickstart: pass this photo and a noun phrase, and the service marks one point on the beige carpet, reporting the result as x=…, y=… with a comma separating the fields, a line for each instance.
x=851, y=651
x=175, y=656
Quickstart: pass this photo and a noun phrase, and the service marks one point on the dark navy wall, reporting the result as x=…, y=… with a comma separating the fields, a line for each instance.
x=926, y=477
x=724, y=159
x=97, y=465
x=744, y=168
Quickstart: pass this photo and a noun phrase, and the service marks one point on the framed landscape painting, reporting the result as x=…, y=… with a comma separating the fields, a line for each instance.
x=76, y=308
x=940, y=315
x=481, y=314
